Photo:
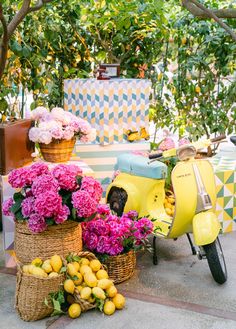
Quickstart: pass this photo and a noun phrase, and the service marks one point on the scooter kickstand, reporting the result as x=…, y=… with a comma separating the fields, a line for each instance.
x=155, y=260
x=194, y=252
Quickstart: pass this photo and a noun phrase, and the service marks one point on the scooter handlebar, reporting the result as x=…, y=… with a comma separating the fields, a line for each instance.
x=217, y=139
x=155, y=155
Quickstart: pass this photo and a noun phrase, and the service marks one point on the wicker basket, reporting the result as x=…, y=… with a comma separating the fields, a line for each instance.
x=84, y=304
x=58, y=239
x=58, y=150
x=31, y=292
x=121, y=268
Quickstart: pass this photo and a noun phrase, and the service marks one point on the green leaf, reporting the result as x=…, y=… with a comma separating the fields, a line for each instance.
x=73, y=213
x=18, y=196
x=63, y=269
x=46, y=302
x=16, y=206
x=50, y=221
x=76, y=258
x=19, y=216
x=99, y=303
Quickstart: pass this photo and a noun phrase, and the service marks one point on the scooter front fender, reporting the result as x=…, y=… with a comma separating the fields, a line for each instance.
x=206, y=228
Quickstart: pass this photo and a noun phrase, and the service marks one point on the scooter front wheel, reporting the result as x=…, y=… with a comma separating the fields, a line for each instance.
x=216, y=261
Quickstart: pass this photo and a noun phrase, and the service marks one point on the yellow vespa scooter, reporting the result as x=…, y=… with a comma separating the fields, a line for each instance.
x=140, y=186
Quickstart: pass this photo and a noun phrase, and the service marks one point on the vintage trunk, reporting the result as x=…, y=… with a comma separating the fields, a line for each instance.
x=15, y=146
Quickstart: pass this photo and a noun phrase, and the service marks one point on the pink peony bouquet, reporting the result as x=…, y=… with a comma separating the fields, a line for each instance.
x=59, y=124
x=110, y=235
x=48, y=197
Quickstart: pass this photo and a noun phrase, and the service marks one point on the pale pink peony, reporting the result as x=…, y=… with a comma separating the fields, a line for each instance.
x=167, y=144
x=38, y=113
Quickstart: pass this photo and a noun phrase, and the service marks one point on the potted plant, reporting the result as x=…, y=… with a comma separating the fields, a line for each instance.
x=49, y=207
x=114, y=240
x=56, y=132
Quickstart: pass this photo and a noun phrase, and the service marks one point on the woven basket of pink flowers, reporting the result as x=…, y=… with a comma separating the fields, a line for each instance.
x=56, y=132
x=49, y=208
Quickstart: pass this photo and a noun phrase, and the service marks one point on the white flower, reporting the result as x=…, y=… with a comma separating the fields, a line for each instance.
x=34, y=134
x=38, y=113
x=44, y=137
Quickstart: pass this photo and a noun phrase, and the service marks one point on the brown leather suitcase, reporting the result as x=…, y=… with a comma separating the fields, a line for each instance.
x=15, y=146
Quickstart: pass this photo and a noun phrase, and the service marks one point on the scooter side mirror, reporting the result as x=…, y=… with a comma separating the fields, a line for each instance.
x=233, y=140
x=186, y=152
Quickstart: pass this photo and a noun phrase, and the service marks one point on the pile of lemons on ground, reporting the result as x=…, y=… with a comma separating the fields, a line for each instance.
x=87, y=280
x=48, y=268
x=169, y=203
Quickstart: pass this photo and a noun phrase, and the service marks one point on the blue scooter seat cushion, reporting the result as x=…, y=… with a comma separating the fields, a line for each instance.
x=138, y=165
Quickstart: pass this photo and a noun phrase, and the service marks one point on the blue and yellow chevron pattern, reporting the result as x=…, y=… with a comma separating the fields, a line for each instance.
x=111, y=106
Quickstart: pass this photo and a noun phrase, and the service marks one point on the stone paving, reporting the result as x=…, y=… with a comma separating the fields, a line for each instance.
x=177, y=293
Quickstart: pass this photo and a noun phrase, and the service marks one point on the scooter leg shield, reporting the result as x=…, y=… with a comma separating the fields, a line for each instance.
x=133, y=195
x=206, y=228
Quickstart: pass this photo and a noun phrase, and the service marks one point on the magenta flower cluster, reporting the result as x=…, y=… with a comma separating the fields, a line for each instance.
x=109, y=234
x=49, y=197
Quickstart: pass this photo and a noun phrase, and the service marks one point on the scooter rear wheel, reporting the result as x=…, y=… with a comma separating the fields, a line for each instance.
x=216, y=261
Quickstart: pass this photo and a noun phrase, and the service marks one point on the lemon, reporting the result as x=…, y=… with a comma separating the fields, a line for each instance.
x=25, y=269
x=37, y=271
x=71, y=270
x=69, y=286
x=104, y=283
x=85, y=293
x=74, y=311
x=91, y=300
x=112, y=291
x=102, y=274
x=78, y=289
x=109, y=307
x=99, y=293
x=37, y=262
x=76, y=265
x=30, y=268
x=47, y=267
x=79, y=279
x=53, y=274
x=84, y=261
x=119, y=301
x=85, y=269
x=197, y=89
x=90, y=279
x=56, y=263
x=95, y=265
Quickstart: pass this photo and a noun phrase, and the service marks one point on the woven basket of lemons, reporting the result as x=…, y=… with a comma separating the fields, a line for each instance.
x=88, y=286
x=34, y=283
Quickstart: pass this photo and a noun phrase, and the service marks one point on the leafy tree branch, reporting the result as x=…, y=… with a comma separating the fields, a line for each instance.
x=196, y=8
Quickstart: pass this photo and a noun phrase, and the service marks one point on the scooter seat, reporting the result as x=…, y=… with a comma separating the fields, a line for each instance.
x=138, y=165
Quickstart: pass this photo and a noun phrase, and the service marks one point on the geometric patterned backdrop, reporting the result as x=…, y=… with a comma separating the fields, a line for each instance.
x=226, y=199
x=111, y=107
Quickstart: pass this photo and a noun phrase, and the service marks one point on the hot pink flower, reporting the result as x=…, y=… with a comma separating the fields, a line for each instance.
x=27, y=207
x=36, y=223
x=66, y=176
x=84, y=203
x=48, y=204
x=6, y=207
x=45, y=182
x=93, y=187
x=19, y=177
x=62, y=215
